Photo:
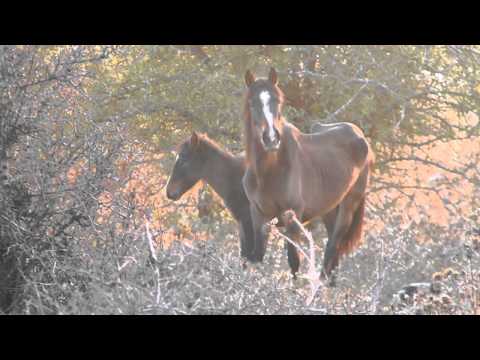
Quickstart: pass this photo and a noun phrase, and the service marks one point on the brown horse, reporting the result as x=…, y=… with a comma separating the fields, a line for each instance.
x=310, y=174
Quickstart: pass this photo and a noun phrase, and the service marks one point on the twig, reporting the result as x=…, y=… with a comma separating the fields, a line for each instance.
x=380, y=278
x=347, y=104
x=153, y=260
x=313, y=276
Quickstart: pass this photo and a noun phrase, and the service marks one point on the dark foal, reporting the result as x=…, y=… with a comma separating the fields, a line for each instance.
x=199, y=158
x=311, y=174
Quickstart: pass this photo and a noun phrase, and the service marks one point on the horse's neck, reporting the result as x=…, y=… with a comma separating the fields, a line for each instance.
x=264, y=163
x=267, y=164
x=216, y=167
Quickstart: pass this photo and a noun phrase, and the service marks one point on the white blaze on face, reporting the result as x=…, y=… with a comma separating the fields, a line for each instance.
x=265, y=99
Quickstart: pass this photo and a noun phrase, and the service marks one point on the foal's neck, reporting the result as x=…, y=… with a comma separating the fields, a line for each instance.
x=218, y=163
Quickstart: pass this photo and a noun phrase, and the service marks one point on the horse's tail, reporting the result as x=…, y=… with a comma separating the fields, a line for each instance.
x=353, y=237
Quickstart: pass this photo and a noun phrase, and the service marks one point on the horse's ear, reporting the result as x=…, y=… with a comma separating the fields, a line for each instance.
x=249, y=78
x=194, y=139
x=273, y=77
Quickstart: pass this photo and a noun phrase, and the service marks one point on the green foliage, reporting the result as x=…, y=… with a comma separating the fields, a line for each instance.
x=399, y=92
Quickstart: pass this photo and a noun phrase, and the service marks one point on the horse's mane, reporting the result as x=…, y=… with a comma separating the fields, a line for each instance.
x=248, y=127
x=213, y=145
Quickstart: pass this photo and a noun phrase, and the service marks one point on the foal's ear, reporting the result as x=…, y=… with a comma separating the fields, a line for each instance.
x=249, y=78
x=273, y=77
x=194, y=139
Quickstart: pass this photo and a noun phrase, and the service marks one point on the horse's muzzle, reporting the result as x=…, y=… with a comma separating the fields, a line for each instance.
x=269, y=143
x=174, y=194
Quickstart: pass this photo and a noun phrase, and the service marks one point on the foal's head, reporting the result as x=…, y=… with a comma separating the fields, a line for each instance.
x=264, y=108
x=187, y=170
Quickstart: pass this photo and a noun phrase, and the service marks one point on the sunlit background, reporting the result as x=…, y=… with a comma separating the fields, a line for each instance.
x=88, y=138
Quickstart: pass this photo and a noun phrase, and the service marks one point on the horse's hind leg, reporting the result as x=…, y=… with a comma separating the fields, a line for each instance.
x=347, y=231
x=329, y=221
x=332, y=253
x=335, y=244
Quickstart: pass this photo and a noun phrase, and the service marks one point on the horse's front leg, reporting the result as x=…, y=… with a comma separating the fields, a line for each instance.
x=259, y=222
x=292, y=254
x=247, y=235
x=294, y=233
x=243, y=250
x=293, y=257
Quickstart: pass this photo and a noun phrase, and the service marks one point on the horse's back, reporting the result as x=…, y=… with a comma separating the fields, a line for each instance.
x=336, y=138
x=343, y=129
x=321, y=127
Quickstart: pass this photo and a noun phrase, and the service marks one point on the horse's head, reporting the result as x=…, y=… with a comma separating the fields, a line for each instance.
x=187, y=170
x=264, y=107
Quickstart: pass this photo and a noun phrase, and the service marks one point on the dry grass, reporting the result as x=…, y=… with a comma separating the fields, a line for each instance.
x=416, y=259
x=389, y=274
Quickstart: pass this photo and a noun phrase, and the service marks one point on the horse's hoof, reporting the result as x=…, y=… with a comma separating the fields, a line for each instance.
x=330, y=280
x=256, y=258
x=250, y=257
